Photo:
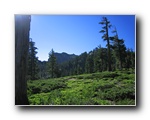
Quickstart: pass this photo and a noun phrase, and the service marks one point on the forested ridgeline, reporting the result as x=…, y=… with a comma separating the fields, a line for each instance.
x=115, y=56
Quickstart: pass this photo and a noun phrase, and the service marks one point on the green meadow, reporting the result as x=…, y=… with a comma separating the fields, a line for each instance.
x=102, y=88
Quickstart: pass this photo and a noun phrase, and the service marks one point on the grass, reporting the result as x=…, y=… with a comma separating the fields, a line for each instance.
x=105, y=88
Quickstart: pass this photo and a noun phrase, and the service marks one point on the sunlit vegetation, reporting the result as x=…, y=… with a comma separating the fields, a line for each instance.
x=103, y=76
x=105, y=88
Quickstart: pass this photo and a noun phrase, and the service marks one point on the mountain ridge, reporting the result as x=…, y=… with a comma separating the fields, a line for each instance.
x=62, y=57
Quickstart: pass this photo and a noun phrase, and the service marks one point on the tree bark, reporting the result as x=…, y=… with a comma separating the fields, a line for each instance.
x=22, y=28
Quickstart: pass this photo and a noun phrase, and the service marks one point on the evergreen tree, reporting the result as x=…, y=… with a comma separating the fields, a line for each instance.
x=106, y=25
x=96, y=60
x=52, y=64
x=81, y=63
x=100, y=59
x=42, y=69
x=82, y=59
x=119, y=49
x=130, y=59
x=32, y=61
x=89, y=63
x=103, y=58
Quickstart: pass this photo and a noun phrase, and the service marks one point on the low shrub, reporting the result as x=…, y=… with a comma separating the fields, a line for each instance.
x=104, y=88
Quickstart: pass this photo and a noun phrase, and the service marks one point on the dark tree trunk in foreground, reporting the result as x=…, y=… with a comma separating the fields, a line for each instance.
x=22, y=28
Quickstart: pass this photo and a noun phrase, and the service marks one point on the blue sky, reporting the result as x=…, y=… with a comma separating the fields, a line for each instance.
x=75, y=34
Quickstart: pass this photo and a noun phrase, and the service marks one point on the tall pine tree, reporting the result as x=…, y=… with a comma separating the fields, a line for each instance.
x=89, y=64
x=106, y=25
x=32, y=62
x=119, y=49
x=52, y=64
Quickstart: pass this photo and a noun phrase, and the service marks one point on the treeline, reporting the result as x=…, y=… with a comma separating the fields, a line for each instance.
x=94, y=61
x=97, y=61
x=114, y=57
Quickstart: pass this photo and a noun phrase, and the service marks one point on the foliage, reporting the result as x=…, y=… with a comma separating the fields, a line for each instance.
x=101, y=88
x=53, y=69
x=119, y=50
x=89, y=63
x=105, y=30
x=32, y=62
x=115, y=56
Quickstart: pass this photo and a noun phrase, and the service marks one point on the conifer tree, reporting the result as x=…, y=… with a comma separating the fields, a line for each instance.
x=119, y=48
x=130, y=59
x=103, y=58
x=52, y=64
x=106, y=25
x=96, y=60
x=89, y=63
x=32, y=61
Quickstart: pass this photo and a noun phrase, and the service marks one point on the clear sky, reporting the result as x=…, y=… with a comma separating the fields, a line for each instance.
x=75, y=34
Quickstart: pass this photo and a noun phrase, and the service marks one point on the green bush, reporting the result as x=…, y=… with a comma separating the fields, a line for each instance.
x=104, y=88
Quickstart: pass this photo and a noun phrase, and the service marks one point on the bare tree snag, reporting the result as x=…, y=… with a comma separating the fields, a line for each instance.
x=22, y=28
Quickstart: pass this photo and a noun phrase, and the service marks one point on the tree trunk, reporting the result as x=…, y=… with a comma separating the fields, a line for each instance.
x=22, y=28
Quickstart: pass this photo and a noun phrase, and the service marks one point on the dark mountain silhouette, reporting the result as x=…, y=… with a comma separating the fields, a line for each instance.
x=64, y=57
x=61, y=57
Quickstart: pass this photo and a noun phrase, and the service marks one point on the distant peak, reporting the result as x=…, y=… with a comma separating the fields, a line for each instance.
x=64, y=53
